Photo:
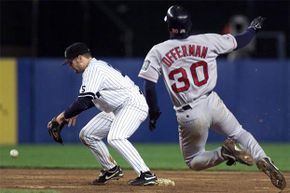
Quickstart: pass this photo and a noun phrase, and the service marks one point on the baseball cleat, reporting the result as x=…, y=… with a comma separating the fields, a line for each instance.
x=276, y=177
x=145, y=179
x=231, y=152
x=113, y=174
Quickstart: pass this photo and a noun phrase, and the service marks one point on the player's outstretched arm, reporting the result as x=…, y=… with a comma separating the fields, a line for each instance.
x=151, y=98
x=79, y=105
x=245, y=38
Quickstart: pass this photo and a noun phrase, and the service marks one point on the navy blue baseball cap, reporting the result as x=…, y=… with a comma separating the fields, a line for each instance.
x=74, y=50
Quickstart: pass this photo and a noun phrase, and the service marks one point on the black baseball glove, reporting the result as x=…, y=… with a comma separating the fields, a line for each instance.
x=55, y=130
x=257, y=23
x=153, y=116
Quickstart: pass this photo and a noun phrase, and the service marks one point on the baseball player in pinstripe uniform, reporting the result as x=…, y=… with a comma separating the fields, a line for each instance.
x=123, y=108
x=188, y=66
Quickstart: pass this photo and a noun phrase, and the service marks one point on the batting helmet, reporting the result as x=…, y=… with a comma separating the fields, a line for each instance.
x=178, y=20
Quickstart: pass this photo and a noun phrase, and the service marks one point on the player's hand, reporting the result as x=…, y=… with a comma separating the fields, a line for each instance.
x=60, y=119
x=72, y=121
x=49, y=124
x=153, y=117
x=257, y=23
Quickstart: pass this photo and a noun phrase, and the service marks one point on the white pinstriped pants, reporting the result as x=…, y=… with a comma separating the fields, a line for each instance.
x=118, y=127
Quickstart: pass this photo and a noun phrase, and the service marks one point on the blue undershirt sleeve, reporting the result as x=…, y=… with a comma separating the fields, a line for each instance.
x=151, y=96
x=79, y=105
x=245, y=38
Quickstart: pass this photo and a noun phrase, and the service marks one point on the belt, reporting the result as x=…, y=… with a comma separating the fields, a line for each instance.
x=99, y=94
x=186, y=107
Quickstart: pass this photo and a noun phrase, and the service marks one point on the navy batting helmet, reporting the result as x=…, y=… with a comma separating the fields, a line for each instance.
x=178, y=20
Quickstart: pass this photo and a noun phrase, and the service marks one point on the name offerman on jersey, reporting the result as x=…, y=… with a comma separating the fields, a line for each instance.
x=184, y=51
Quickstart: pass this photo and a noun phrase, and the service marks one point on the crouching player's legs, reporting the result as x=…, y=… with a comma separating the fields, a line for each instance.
x=91, y=136
x=126, y=122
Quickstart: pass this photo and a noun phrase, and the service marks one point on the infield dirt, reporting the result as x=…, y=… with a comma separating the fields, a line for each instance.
x=78, y=181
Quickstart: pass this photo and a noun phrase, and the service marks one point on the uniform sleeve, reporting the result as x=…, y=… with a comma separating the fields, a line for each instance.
x=78, y=106
x=222, y=43
x=245, y=38
x=151, y=66
x=91, y=83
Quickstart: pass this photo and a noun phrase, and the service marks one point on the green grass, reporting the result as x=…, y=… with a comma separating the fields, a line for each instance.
x=157, y=156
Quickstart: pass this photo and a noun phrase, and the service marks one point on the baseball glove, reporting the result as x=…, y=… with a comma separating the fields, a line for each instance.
x=55, y=130
x=257, y=23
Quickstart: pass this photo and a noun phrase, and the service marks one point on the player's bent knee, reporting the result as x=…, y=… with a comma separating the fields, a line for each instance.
x=86, y=139
x=114, y=142
x=82, y=138
x=193, y=166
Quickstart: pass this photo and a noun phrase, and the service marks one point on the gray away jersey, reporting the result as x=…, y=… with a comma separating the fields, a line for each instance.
x=188, y=65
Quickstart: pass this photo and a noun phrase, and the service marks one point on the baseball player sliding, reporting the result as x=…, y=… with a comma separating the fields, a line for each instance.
x=189, y=69
x=123, y=108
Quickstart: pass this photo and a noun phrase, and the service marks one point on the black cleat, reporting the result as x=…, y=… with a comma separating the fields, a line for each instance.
x=231, y=152
x=113, y=174
x=272, y=172
x=145, y=179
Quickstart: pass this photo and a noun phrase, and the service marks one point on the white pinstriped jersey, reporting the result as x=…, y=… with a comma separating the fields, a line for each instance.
x=188, y=65
x=106, y=85
x=123, y=108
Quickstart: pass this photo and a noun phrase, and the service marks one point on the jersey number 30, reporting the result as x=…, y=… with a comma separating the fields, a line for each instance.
x=183, y=77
